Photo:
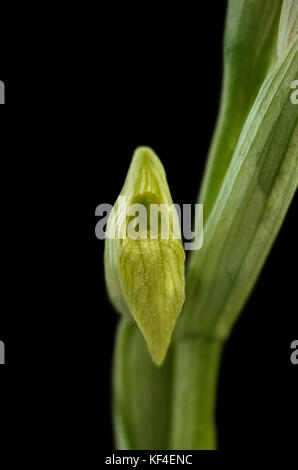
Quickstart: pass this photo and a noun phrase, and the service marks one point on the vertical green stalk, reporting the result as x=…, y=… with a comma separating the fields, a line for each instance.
x=195, y=374
x=142, y=392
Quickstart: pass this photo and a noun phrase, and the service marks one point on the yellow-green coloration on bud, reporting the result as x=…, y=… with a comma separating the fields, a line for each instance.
x=144, y=265
x=152, y=278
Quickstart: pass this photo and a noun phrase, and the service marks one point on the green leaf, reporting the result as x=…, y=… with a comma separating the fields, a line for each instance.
x=249, y=210
x=288, y=25
x=249, y=51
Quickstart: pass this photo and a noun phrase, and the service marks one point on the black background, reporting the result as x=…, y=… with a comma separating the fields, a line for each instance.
x=134, y=74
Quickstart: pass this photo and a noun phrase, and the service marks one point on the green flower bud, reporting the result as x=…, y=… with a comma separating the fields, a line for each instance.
x=144, y=258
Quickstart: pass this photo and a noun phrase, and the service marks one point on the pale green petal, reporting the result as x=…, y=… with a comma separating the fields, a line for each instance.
x=152, y=278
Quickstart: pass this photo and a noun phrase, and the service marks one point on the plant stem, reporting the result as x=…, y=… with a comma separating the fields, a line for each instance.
x=196, y=368
x=141, y=392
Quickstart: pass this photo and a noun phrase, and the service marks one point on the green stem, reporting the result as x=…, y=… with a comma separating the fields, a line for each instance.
x=196, y=368
x=141, y=392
